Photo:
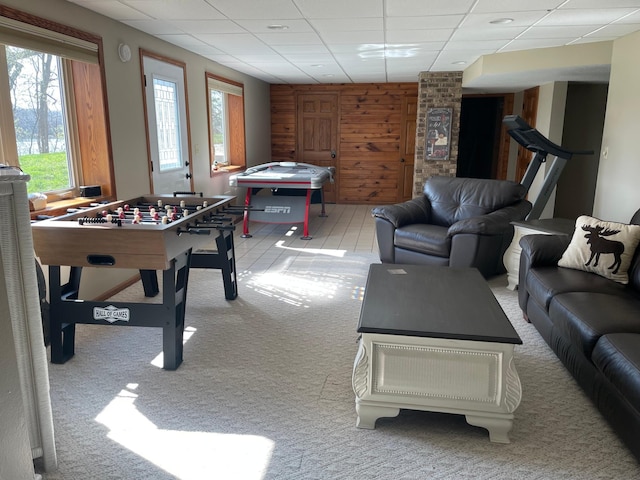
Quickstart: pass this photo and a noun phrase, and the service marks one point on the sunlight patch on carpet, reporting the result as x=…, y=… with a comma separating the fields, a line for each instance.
x=184, y=454
x=296, y=288
x=332, y=252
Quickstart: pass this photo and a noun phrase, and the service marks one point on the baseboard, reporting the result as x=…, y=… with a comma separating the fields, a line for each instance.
x=117, y=289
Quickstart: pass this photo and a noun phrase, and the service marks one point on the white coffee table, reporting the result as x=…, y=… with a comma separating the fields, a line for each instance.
x=435, y=339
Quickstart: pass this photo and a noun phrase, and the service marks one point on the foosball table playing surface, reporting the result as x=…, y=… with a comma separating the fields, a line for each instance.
x=148, y=233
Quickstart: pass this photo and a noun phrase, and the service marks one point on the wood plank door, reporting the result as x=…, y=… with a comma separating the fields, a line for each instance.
x=317, y=139
x=407, y=147
x=529, y=115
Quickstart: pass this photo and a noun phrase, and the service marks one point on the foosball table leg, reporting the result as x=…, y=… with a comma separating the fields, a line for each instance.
x=149, y=282
x=175, y=299
x=224, y=244
x=62, y=334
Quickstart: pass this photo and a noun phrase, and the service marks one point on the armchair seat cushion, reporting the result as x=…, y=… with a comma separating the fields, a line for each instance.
x=424, y=238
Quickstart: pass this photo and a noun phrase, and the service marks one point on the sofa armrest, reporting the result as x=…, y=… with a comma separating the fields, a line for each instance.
x=541, y=250
x=538, y=250
x=416, y=210
x=494, y=223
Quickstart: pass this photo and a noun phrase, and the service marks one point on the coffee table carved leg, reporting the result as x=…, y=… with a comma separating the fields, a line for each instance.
x=368, y=414
x=498, y=427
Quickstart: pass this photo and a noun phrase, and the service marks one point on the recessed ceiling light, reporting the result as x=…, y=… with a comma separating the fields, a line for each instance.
x=501, y=21
x=328, y=75
x=277, y=26
x=317, y=65
x=459, y=62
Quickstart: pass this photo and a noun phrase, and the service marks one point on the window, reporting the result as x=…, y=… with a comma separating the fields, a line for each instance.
x=40, y=119
x=53, y=119
x=226, y=123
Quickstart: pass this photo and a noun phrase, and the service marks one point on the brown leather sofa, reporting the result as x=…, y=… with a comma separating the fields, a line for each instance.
x=457, y=222
x=591, y=323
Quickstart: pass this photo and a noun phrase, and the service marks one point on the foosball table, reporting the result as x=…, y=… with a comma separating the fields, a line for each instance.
x=149, y=233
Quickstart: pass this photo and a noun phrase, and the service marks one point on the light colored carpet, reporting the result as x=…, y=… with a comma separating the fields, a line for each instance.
x=265, y=393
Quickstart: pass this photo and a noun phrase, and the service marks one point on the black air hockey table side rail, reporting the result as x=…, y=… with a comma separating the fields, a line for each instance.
x=281, y=209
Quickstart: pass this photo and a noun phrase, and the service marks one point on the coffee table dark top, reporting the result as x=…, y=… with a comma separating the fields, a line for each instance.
x=431, y=301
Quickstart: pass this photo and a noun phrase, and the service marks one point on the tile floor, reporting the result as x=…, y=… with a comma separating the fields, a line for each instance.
x=344, y=228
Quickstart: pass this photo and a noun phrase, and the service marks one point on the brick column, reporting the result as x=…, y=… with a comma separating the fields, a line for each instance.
x=436, y=90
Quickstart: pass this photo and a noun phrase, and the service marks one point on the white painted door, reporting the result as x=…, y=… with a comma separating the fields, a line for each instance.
x=167, y=123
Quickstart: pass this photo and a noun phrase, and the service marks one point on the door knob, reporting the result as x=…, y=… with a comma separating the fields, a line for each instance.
x=333, y=154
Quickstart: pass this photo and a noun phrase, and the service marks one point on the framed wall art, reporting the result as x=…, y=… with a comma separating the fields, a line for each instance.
x=438, y=133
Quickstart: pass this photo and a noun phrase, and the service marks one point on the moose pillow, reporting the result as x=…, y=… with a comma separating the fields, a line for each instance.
x=604, y=248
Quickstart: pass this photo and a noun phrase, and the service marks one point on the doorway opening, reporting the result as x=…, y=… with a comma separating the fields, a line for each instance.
x=480, y=137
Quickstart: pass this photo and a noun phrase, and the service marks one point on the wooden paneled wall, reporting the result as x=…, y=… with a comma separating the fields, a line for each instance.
x=369, y=163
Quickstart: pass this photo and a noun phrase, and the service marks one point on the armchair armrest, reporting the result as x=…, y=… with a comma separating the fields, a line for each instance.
x=416, y=210
x=494, y=223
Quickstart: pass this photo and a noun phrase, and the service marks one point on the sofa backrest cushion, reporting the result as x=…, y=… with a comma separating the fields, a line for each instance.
x=453, y=199
x=634, y=269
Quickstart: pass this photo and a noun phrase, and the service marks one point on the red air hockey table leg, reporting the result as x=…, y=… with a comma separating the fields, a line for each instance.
x=307, y=205
x=245, y=218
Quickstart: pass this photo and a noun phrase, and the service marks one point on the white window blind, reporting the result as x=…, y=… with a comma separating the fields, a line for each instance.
x=32, y=37
x=224, y=87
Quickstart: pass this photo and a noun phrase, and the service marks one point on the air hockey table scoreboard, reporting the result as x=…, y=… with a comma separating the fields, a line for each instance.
x=281, y=209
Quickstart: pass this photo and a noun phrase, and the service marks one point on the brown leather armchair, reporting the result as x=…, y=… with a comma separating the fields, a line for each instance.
x=457, y=222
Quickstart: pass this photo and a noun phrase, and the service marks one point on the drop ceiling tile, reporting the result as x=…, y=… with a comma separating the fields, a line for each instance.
x=300, y=49
x=256, y=59
x=302, y=59
x=596, y=16
x=356, y=48
x=113, y=9
x=423, y=22
x=340, y=8
x=243, y=9
x=477, y=33
x=403, y=77
x=484, y=45
x=207, y=26
x=520, y=19
x=182, y=40
x=409, y=36
x=341, y=38
x=235, y=43
x=309, y=38
x=176, y=9
x=633, y=18
x=325, y=25
x=497, y=6
x=569, y=31
x=531, y=43
x=573, y=4
x=261, y=26
x=153, y=27
x=614, y=31
x=400, y=8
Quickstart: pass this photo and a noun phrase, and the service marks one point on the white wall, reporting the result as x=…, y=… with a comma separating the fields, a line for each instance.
x=617, y=194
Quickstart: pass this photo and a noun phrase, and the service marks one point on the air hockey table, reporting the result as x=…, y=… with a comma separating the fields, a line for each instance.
x=281, y=209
